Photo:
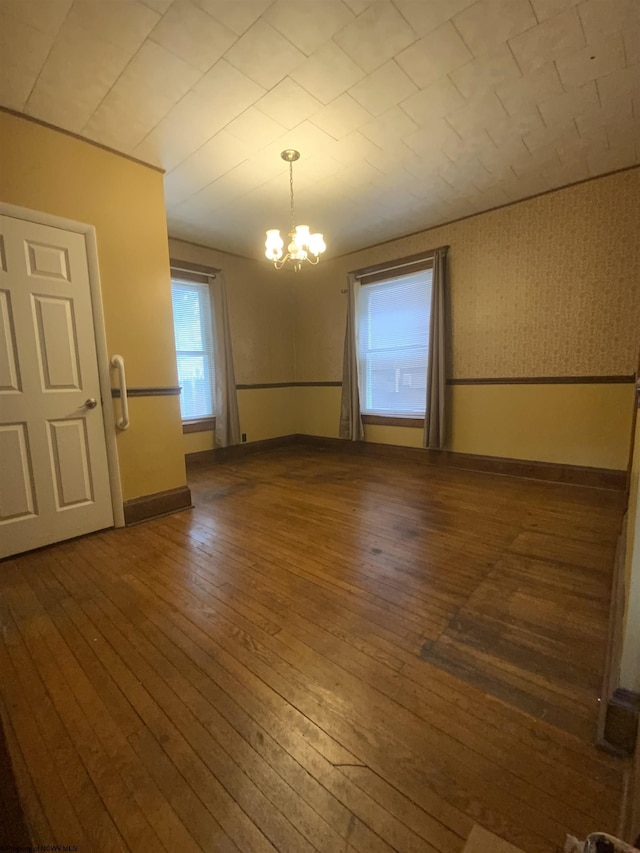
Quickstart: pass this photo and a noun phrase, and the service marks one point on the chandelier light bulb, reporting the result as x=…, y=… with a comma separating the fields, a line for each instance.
x=316, y=244
x=274, y=245
x=303, y=246
x=302, y=235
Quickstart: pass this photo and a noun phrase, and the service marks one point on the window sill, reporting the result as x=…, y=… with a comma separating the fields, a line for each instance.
x=384, y=420
x=201, y=425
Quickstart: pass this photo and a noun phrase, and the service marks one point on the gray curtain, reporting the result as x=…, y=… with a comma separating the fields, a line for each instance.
x=350, y=419
x=227, y=419
x=435, y=415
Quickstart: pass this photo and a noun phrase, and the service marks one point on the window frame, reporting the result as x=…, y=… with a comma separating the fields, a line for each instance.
x=184, y=273
x=376, y=275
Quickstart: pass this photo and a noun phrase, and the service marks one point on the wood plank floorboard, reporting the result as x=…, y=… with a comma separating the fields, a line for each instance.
x=326, y=654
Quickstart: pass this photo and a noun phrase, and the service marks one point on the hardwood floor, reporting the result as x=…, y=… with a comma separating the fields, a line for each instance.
x=328, y=653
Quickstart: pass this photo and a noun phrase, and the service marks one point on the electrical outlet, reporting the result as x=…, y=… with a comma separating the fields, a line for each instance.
x=244, y=436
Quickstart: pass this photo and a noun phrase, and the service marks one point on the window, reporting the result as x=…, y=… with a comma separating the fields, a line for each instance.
x=393, y=344
x=193, y=326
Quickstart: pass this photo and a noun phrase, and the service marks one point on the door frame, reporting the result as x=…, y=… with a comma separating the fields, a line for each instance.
x=102, y=353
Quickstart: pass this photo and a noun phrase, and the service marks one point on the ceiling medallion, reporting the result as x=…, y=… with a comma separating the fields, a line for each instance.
x=303, y=247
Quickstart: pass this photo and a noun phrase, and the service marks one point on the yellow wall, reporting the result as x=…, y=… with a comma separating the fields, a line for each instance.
x=573, y=424
x=546, y=287
x=318, y=410
x=267, y=412
x=194, y=442
x=45, y=170
x=264, y=413
x=150, y=451
x=400, y=436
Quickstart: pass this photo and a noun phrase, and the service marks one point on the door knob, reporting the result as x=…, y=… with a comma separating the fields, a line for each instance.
x=90, y=403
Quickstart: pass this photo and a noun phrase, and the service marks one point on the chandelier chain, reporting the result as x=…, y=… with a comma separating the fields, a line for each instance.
x=291, y=192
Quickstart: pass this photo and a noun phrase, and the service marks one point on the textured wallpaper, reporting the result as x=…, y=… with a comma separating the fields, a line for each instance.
x=546, y=287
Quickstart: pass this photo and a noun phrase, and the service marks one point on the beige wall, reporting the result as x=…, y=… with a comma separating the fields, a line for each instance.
x=45, y=170
x=547, y=287
x=261, y=313
x=261, y=317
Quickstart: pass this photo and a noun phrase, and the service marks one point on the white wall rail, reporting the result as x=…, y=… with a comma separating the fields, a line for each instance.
x=117, y=361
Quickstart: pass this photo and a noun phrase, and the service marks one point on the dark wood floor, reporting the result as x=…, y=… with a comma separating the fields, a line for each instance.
x=328, y=653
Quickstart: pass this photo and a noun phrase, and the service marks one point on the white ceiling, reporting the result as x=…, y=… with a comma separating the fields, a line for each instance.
x=407, y=113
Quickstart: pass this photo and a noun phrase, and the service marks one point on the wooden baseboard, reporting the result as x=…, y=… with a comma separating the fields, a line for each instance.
x=602, y=478
x=621, y=723
x=159, y=503
x=204, y=458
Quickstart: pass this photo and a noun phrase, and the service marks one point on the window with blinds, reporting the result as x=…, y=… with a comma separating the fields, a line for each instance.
x=193, y=327
x=393, y=344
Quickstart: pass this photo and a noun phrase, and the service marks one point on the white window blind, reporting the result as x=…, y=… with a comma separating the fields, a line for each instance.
x=393, y=344
x=193, y=326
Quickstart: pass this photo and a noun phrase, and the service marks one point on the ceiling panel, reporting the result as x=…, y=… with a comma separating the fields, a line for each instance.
x=383, y=88
x=434, y=55
x=328, y=73
x=554, y=39
x=308, y=25
x=406, y=112
x=150, y=86
x=289, y=103
x=77, y=73
x=375, y=36
x=234, y=15
x=426, y=17
x=193, y=35
x=488, y=23
x=264, y=55
x=44, y=15
x=24, y=48
x=124, y=23
x=486, y=72
x=255, y=129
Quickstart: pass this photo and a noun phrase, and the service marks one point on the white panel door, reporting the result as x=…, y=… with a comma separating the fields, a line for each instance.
x=54, y=479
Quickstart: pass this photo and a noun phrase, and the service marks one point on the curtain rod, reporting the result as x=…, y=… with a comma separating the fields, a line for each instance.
x=428, y=257
x=211, y=274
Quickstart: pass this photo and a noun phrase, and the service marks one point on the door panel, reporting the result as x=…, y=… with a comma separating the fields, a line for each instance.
x=9, y=374
x=47, y=261
x=56, y=341
x=70, y=464
x=55, y=480
x=16, y=486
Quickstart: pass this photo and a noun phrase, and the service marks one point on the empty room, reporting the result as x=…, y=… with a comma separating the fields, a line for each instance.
x=319, y=435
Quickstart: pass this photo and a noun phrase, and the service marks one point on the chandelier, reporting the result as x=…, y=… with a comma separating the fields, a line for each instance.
x=303, y=246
